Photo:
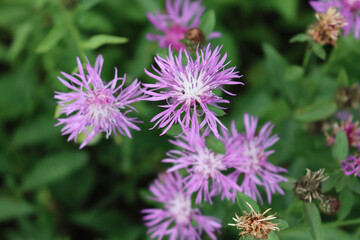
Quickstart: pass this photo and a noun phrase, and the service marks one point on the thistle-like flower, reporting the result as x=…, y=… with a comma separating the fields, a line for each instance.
x=351, y=166
x=308, y=187
x=177, y=219
x=249, y=154
x=255, y=224
x=180, y=16
x=188, y=90
x=205, y=167
x=94, y=106
x=351, y=129
x=329, y=205
x=327, y=27
x=349, y=9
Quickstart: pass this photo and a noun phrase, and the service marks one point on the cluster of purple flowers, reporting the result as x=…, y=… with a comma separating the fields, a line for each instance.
x=187, y=85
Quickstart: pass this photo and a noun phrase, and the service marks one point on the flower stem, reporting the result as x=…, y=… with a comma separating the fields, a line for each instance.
x=307, y=56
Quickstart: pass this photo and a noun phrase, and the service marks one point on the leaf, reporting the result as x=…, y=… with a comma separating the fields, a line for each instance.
x=319, y=51
x=313, y=221
x=293, y=73
x=301, y=37
x=272, y=236
x=51, y=39
x=215, y=144
x=174, y=131
x=208, y=21
x=282, y=224
x=342, y=183
x=288, y=9
x=340, y=149
x=241, y=200
x=275, y=65
x=347, y=200
x=98, y=40
x=354, y=185
x=318, y=111
x=342, y=79
x=11, y=208
x=21, y=36
x=53, y=168
x=219, y=112
x=330, y=183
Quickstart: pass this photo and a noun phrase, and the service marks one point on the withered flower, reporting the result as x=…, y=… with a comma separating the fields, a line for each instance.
x=329, y=205
x=348, y=96
x=255, y=224
x=194, y=37
x=327, y=27
x=308, y=187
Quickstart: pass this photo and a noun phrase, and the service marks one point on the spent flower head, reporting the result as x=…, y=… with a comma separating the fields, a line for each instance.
x=205, y=167
x=351, y=165
x=349, y=9
x=308, y=187
x=250, y=153
x=180, y=16
x=255, y=224
x=328, y=26
x=188, y=89
x=94, y=106
x=177, y=219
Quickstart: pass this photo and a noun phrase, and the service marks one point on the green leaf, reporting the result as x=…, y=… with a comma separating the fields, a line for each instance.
x=54, y=168
x=347, y=200
x=275, y=65
x=313, y=221
x=340, y=149
x=208, y=21
x=319, y=51
x=98, y=40
x=342, y=183
x=215, y=144
x=272, y=236
x=242, y=198
x=354, y=185
x=174, y=131
x=330, y=183
x=342, y=79
x=21, y=36
x=51, y=39
x=288, y=9
x=301, y=37
x=293, y=73
x=281, y=224
x=12, y=208
x=318, y=111
x=219, y=112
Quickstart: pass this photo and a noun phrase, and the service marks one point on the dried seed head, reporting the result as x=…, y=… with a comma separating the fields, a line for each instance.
x=328, y=26
x=255, y=224
x=193, y=38
x=329, y=205
x=308, y=187
x=348, y=97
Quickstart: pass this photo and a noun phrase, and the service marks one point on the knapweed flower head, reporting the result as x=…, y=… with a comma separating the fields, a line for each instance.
x=180, y=16
x=329, y=205
x=177, y=219
x=349, y=9
x=205, y=167
x=328, y=26
x=351, y=165
x=308, y=187
x=188, y=89
x=351, y=129
x=250, y=153
x=94, y=106
x=255, y=224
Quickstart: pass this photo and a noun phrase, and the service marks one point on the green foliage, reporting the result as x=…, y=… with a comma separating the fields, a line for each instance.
x=208, y=20
x=98, y=40
x=313, y=221
x=341, y=146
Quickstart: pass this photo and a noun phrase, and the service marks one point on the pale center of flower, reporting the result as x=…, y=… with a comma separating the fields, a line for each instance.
x=101, y=109
x=253, y=153
x=208, y=163
x=180, y=208
x=191, y=87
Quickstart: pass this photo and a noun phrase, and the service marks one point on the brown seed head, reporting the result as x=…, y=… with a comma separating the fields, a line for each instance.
x=308, y=187
x=329, y=205
x=255, y=224
x=193, y=38
x=328, y=26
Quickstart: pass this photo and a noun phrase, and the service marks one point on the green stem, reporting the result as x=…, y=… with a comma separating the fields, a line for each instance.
x=307, y=56
x=73, y=30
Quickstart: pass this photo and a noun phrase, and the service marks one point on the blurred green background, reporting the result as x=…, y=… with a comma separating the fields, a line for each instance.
x=52, y=190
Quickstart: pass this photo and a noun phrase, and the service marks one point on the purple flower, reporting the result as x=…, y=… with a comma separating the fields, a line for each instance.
x=204, y=167
x=349, y=9
x=93, y=106
x=250, y=151
x=181, y=15
x=351, y=129
x=351, y=166
x=188, y=90
x=177, y=218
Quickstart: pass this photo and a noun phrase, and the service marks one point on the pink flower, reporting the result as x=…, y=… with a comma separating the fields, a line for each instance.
x=351, y=129
x=181, y=15
x=206, y=168
x=249, y=150
x=188, y=89
x=94, y=106
x=177, y=219
x=351, y=166
x=349, y=9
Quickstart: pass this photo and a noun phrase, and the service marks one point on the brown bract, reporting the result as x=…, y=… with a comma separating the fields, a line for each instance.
x=255, y=224
x=308, y=187
x=327, y=27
